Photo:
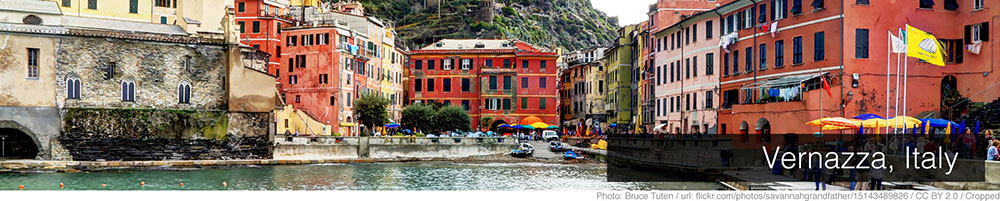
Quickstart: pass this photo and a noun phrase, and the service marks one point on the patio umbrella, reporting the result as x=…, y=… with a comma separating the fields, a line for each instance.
x=835, y=121
x=903, y=122
x=613, y=125
x=976, y=132
x=517, y=127
x=539, y=125
x=867, y=116
x=392, y=125
x=503, y=126
x=552, y=127
x=407, y=130
x=528, y=127
x=530, y=120
x=940, y=123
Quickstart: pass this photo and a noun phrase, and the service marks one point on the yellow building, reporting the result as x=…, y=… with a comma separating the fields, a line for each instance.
x=307, y=2
x=130, y=10
x=294, y=121
x=194, y=16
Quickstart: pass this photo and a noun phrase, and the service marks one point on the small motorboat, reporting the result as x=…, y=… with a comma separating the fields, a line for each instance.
x=525, y=150
x=569, y=155
x=555, y=146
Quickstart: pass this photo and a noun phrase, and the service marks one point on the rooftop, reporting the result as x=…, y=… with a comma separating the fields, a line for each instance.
x=459, y=44
x=42, y=7
x=118, y=25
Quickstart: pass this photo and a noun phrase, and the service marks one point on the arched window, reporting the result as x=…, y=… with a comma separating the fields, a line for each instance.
x=73, y=88
x=128, y=91
x=31, y=19
x=184, y=92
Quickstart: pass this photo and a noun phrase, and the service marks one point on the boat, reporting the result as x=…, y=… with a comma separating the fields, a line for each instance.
x=556, y=146
x=524, y=150
x=569, y=155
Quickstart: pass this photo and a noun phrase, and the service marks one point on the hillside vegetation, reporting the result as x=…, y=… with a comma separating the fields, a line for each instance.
x=570, y=24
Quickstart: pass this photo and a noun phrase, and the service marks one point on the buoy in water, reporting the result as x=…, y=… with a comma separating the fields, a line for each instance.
x=182, y=183
x=61, y=185
x=104, y=185
x=224, y=184
x=142, y=183
x=20, y=187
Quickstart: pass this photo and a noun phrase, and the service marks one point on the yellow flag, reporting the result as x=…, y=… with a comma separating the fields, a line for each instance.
x=922, y=45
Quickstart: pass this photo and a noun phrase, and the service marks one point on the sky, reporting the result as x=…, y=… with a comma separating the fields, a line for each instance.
x=628, y=11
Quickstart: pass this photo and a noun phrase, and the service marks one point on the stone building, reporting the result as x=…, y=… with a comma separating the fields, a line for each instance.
x=101, y=89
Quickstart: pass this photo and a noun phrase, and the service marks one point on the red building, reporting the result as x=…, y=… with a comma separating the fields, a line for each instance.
x=772, y=82
x=318, y=74
x=508, y=80
x=260, y=23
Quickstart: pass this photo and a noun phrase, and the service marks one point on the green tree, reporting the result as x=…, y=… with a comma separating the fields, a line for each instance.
x=370, y=111
x=450, y=118
x=419, y=116
x=485, y=122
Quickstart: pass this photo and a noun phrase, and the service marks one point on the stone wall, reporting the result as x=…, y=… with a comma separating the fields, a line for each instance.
x=326, y=147
x=157, y=68
x=147, y=134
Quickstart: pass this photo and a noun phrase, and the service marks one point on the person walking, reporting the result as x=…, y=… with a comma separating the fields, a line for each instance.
x=991, y=152
x=817, y=169
x=876, y=183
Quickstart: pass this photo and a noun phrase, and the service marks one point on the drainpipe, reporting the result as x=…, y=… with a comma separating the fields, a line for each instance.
x=686, y=101
x=843, y=105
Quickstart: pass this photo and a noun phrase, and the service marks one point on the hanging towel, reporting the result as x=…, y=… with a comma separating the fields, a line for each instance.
x=774, y=28
x=974, y=47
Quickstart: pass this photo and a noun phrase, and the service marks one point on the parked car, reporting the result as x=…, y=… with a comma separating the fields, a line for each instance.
x=550, y=135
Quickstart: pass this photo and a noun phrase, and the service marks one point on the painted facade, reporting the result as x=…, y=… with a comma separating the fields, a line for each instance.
x=684, y=76
x=259, y=23
x=618, y=60
x=505, y=79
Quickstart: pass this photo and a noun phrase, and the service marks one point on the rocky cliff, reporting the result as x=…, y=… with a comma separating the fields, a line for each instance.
x=570, y=24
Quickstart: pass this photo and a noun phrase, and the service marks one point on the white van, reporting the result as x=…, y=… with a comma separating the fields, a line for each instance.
x=550, y=135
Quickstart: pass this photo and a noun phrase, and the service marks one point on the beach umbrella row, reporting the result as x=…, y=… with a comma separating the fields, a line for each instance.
x=536, y=125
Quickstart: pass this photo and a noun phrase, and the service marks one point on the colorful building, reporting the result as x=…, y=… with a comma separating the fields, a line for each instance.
x=779, y=75
x=507, y=80
x=618, y=59
x=260, y=23
x=684, y=76
x=319, y=77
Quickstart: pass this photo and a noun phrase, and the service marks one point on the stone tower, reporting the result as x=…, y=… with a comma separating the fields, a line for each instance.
x=486, y=8
x=431, y=3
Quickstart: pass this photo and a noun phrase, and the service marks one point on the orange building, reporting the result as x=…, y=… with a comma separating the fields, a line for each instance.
x=318, y=76
x=505, y=79
x=260, y=23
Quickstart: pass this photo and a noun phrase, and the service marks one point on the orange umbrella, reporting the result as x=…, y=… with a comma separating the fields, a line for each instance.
x=530, y=120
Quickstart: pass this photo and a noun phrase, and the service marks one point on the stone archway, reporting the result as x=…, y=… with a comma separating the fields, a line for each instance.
x=18, y=142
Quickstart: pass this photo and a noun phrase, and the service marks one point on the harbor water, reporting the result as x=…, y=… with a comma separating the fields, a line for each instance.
x=357, y=176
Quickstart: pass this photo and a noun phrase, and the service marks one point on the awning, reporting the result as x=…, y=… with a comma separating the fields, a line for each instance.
x=659, y=127
x=785, y=81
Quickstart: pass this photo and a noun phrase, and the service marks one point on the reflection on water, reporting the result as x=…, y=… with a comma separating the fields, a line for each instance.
x=369, y=176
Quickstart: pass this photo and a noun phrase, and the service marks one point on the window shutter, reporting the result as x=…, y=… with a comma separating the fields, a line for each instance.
x=773, y=11
x=968, y=34
x=784, y=8
x=984, y=32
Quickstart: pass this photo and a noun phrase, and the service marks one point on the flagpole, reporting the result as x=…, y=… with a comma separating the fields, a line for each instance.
x=905, y=75
x=888, y=57
x=896, y=108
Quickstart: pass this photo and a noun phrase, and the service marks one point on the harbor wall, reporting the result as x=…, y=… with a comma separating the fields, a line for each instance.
x=327, y=147
x=92, y=134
